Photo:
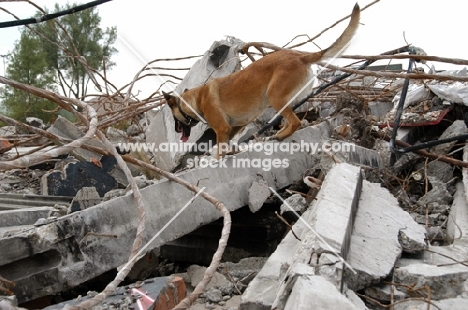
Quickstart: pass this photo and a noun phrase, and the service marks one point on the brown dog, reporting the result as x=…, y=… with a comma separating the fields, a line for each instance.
x=229, y=103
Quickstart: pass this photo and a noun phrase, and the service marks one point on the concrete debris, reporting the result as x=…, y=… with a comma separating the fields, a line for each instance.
x=438, y=194
x=384, y=292
x=258, y=194
x=85, y=198
x=382, y=228
x=196, y=273
x=375, y=247
x=295, y=203
x=441, y=282
x=457, y=128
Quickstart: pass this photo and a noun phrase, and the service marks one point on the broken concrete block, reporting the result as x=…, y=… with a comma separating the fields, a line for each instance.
x=7, y=131
x=383, y=293
x=450, y=303
x=457, y=128
x=457, y=225
x=294, y=203
x=214, y=295
x=73, y=256
x=438, y=193
x=379, y=108
x=85, y=198
x=27, y=216
x=262, y=291
x=67, y=130
x=334, y=210
x=314, y=292
x=443, y=281
x=437, y=169
x=133, y=130
x=196, y=274
x=74, y=177
x=258, y=194
x=374, y=242
x=350, y=153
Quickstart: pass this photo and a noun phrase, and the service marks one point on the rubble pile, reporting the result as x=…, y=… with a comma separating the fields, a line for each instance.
x=359, y=224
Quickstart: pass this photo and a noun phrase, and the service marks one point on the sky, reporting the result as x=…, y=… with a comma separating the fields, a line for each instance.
x=149, y=30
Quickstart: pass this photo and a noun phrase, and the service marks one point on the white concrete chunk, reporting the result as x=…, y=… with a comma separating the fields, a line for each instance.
x=443, y=281
x=314, y=292
x=258, y=194
x=374, y=242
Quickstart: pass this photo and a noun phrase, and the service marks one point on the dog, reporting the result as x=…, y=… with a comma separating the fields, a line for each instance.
x=231, y=102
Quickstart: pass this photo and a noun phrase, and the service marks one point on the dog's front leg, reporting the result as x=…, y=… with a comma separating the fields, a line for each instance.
x=222, y=140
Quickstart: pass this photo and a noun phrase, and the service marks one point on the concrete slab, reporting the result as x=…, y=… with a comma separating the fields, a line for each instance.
x=262, y=291
x=374, y=242
x=314, y=292
x=443, y=281
x=330, y=215
x=334, y=210
x=457, y=224
x=84, y=244
x=450, y=303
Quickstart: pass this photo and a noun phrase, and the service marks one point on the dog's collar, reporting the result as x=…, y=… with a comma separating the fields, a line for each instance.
x=190, y=120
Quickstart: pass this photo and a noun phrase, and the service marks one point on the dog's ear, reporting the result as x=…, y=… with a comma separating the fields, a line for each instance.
x=185, y=90
x=169, y=99
x=166, y=96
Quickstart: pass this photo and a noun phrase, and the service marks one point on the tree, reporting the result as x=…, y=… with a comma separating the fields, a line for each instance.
x=27, y=66
x=78, y=36
x=50, y=55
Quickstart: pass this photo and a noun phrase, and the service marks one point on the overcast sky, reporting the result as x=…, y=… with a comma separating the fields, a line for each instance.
x=150, y=30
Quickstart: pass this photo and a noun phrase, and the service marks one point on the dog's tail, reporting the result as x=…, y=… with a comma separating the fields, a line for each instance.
x=342, y=42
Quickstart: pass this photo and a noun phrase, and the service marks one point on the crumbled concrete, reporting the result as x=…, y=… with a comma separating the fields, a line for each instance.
x=258, y=194
x=85, y=198
x=196, y=274
x=457, y=128
x=438, y=193
x=67, y=130
x=384, y=292
x=214, y=295
x=74, y=256
x=443, y=281
x=294, y=203
x=314, y=292
x=450, y=303
x=379, y=108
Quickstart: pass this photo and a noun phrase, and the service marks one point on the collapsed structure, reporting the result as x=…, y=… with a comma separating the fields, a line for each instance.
x=372, y=227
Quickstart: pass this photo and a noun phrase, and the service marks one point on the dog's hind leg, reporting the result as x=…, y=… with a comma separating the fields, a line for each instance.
x=292, y=122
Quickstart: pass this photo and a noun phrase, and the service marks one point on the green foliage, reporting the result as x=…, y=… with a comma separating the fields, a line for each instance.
x=27, y=67
x=47, y=56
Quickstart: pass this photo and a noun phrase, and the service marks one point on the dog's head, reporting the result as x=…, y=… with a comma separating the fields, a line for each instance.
x=182, y=123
